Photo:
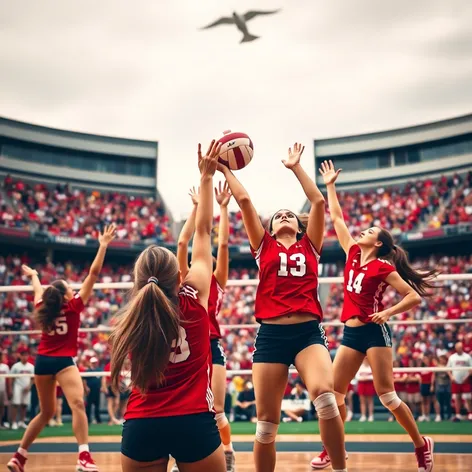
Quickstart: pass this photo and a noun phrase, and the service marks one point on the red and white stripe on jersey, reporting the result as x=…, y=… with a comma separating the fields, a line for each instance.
x=364, y=287
x=62, y=340
x=215, y=299
x=186, y=388
x=236, y=150
x=288, y=278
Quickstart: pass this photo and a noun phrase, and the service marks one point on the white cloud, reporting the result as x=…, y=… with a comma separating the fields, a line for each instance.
x=320, y=69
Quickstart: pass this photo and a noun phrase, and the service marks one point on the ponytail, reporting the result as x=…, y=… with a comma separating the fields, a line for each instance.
x=148, y=326
x=420, y=281
x=51, y=305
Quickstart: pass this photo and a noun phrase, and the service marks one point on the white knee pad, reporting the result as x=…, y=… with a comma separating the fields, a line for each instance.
x=266, y=432
x=221, y=420
x=326, y=406
x=390, y=400
x=339, y=398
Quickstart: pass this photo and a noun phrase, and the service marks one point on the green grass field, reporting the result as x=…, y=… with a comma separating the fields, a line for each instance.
x=311, y=427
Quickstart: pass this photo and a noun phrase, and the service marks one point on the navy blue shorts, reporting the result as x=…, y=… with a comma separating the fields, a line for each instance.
x=280, y=344
x=188, y=438
x=217, y=354
x=362, y=338
x=51, y=365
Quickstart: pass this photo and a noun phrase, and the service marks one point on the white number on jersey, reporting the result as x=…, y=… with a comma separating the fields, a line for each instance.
x=298, y=271
x=61, y=326
x=182, y=346
x=357, y=285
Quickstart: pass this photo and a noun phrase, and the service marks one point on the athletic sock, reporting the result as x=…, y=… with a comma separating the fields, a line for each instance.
x=83, y=448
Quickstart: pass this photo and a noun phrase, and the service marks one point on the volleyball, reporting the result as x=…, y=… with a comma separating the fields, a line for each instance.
x=236, y=151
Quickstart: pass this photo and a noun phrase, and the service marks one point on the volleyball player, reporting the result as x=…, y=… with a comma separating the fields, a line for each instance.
x=164, y=329
x=57, y=312
x=288, y=308
x=373, y=263
x=218, y=283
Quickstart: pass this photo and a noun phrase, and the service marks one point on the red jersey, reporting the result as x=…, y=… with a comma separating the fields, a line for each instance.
x=288, y=279
x=214, y=304
x=62, y=340
x=426, y=378
x=399, y=386
x=413, y=386
x=364, y=286
x=186, y=389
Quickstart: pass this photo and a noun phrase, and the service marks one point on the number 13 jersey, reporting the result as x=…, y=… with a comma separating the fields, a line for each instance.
x=288, y=279
x=364, y=286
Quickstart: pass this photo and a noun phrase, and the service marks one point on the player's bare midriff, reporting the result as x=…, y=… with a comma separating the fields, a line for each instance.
x=354, y=322
x=292, y=318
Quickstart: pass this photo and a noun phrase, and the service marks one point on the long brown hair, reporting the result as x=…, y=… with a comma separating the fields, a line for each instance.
x=51, y=306
x=420, y=281
x=150, y=322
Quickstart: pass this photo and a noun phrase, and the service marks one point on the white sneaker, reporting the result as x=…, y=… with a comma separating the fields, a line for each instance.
x=286, y=419
x=22, y=424
x=52, y=423
x=362, y=419
x=421, y=419
x=349, y=416
x=371, y=419
x=427, y=419
x=14, y=426
x=469, y=417
x=6, y=424
x=438, y=419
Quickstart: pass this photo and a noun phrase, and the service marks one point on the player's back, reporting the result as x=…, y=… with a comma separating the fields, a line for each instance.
x=186, y=388
x=288, y=278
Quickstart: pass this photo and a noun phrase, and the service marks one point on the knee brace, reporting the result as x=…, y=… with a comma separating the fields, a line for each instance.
x=221, y=420
x=266, y=432
x=339, y=398
x=390, y=400
x=326, y=407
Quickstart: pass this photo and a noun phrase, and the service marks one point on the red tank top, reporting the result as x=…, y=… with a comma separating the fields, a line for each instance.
x=288, y=279
x=186, y=390
x=62, y=340
x=364, y=286
x=214, y=304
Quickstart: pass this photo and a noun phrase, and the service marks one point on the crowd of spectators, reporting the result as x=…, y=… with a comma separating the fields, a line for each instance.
x=65, y=211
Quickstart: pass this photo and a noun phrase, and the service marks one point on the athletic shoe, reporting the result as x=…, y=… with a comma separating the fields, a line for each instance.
x=469, y=417
x=286, y=419
x=424, y=455
x=438, y=419
x=371, y=419
x=421, y=419
x=362, y=419
x=455, y=419
x=427, y=419
x=175, y=468
x=349, y=416
x=14, y=426
x=17, y=463
x=22, y=424
x=85, y=463
x=322, y=460
x=230, y=461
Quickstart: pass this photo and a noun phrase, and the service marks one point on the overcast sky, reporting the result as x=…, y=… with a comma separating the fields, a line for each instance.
x=143, y=69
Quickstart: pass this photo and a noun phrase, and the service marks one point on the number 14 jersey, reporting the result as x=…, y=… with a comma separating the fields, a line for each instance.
x=288, y=279
x=364, y=286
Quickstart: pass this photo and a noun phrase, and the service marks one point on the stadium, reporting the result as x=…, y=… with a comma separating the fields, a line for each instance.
x=60, y=188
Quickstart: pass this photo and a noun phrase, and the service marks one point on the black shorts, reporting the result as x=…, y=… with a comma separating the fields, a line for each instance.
x=362, y=338
x=110, y=393
x=426, y=390
x=217, y=354
x=51, y=365
x=188, y=438
x=280, y=344
x=125, y=395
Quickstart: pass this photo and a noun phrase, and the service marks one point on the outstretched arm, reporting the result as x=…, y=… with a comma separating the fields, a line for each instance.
x=104, y=239
x=223, y=196
x=316, y=219
x=186, y=235
x=251, y=220
x=329, y=176
x=199, y=275
x=35, y=282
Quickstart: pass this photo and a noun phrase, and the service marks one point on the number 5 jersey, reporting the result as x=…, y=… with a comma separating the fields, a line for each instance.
x=364, y=286
x=288, y=279
x=62, y=340
x=186, y=388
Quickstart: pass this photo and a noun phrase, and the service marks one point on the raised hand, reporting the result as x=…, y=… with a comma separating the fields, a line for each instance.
x=28, y=271
x=208, y=163
x=328, y=172
x=293, y=156
x=108, y=235
x=223, y=194
x=194, y=195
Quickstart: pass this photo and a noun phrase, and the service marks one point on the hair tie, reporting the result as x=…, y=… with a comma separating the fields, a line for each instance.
x=153, y=280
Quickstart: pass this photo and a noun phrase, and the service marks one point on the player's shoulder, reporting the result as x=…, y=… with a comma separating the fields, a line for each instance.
x=187, y=292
